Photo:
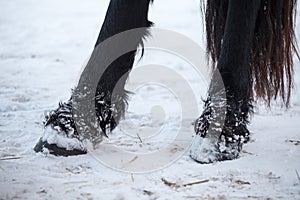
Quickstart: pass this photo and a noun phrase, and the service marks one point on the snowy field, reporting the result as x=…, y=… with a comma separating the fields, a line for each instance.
x=43, y=46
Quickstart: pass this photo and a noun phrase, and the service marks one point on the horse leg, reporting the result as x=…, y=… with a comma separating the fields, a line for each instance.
x=233, y=66
x=121, y=16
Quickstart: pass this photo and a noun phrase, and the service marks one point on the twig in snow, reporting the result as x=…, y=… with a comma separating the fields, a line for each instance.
x=134, y=159
x=170, y=184
x=10, y=158
x=75, y=182
x=193, y=197
x=132, y=178
x=297, y=175
x=240, y=182
x=147, y=192
x=195, y=183
x=139, y=138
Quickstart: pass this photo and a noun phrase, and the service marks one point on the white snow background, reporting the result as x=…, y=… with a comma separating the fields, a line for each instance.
x=44, y=44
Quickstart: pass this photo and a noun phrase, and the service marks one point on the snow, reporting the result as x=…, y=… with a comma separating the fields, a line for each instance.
x=61, y=140
x=44, y=45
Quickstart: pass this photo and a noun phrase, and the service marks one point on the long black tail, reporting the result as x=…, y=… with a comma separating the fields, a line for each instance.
x=273, y=45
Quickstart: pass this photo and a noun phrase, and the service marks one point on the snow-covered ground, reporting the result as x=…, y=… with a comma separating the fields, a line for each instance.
x=43, y=45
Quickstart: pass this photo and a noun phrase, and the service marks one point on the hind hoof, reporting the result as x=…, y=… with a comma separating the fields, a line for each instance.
x=205, y=150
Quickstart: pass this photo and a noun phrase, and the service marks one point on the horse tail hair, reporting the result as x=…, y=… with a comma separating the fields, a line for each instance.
x=273, y=47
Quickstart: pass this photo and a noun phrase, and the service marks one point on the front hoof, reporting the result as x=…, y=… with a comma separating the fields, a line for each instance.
x=59, y=144
x=45, y=147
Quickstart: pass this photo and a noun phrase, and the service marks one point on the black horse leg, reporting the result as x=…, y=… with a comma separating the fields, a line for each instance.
x=122, y=15
x=233, y=66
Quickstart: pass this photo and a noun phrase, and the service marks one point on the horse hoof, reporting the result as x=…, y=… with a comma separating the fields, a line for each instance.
x=59, y=144
x=206, y=150
x=45, y=147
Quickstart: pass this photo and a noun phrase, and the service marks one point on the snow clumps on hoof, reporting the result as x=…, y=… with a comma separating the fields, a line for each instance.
x=60, y=137
x=221, y=131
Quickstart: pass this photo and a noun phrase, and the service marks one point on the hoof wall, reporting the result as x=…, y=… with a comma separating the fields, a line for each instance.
x=53, y=149
x=205, y=150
